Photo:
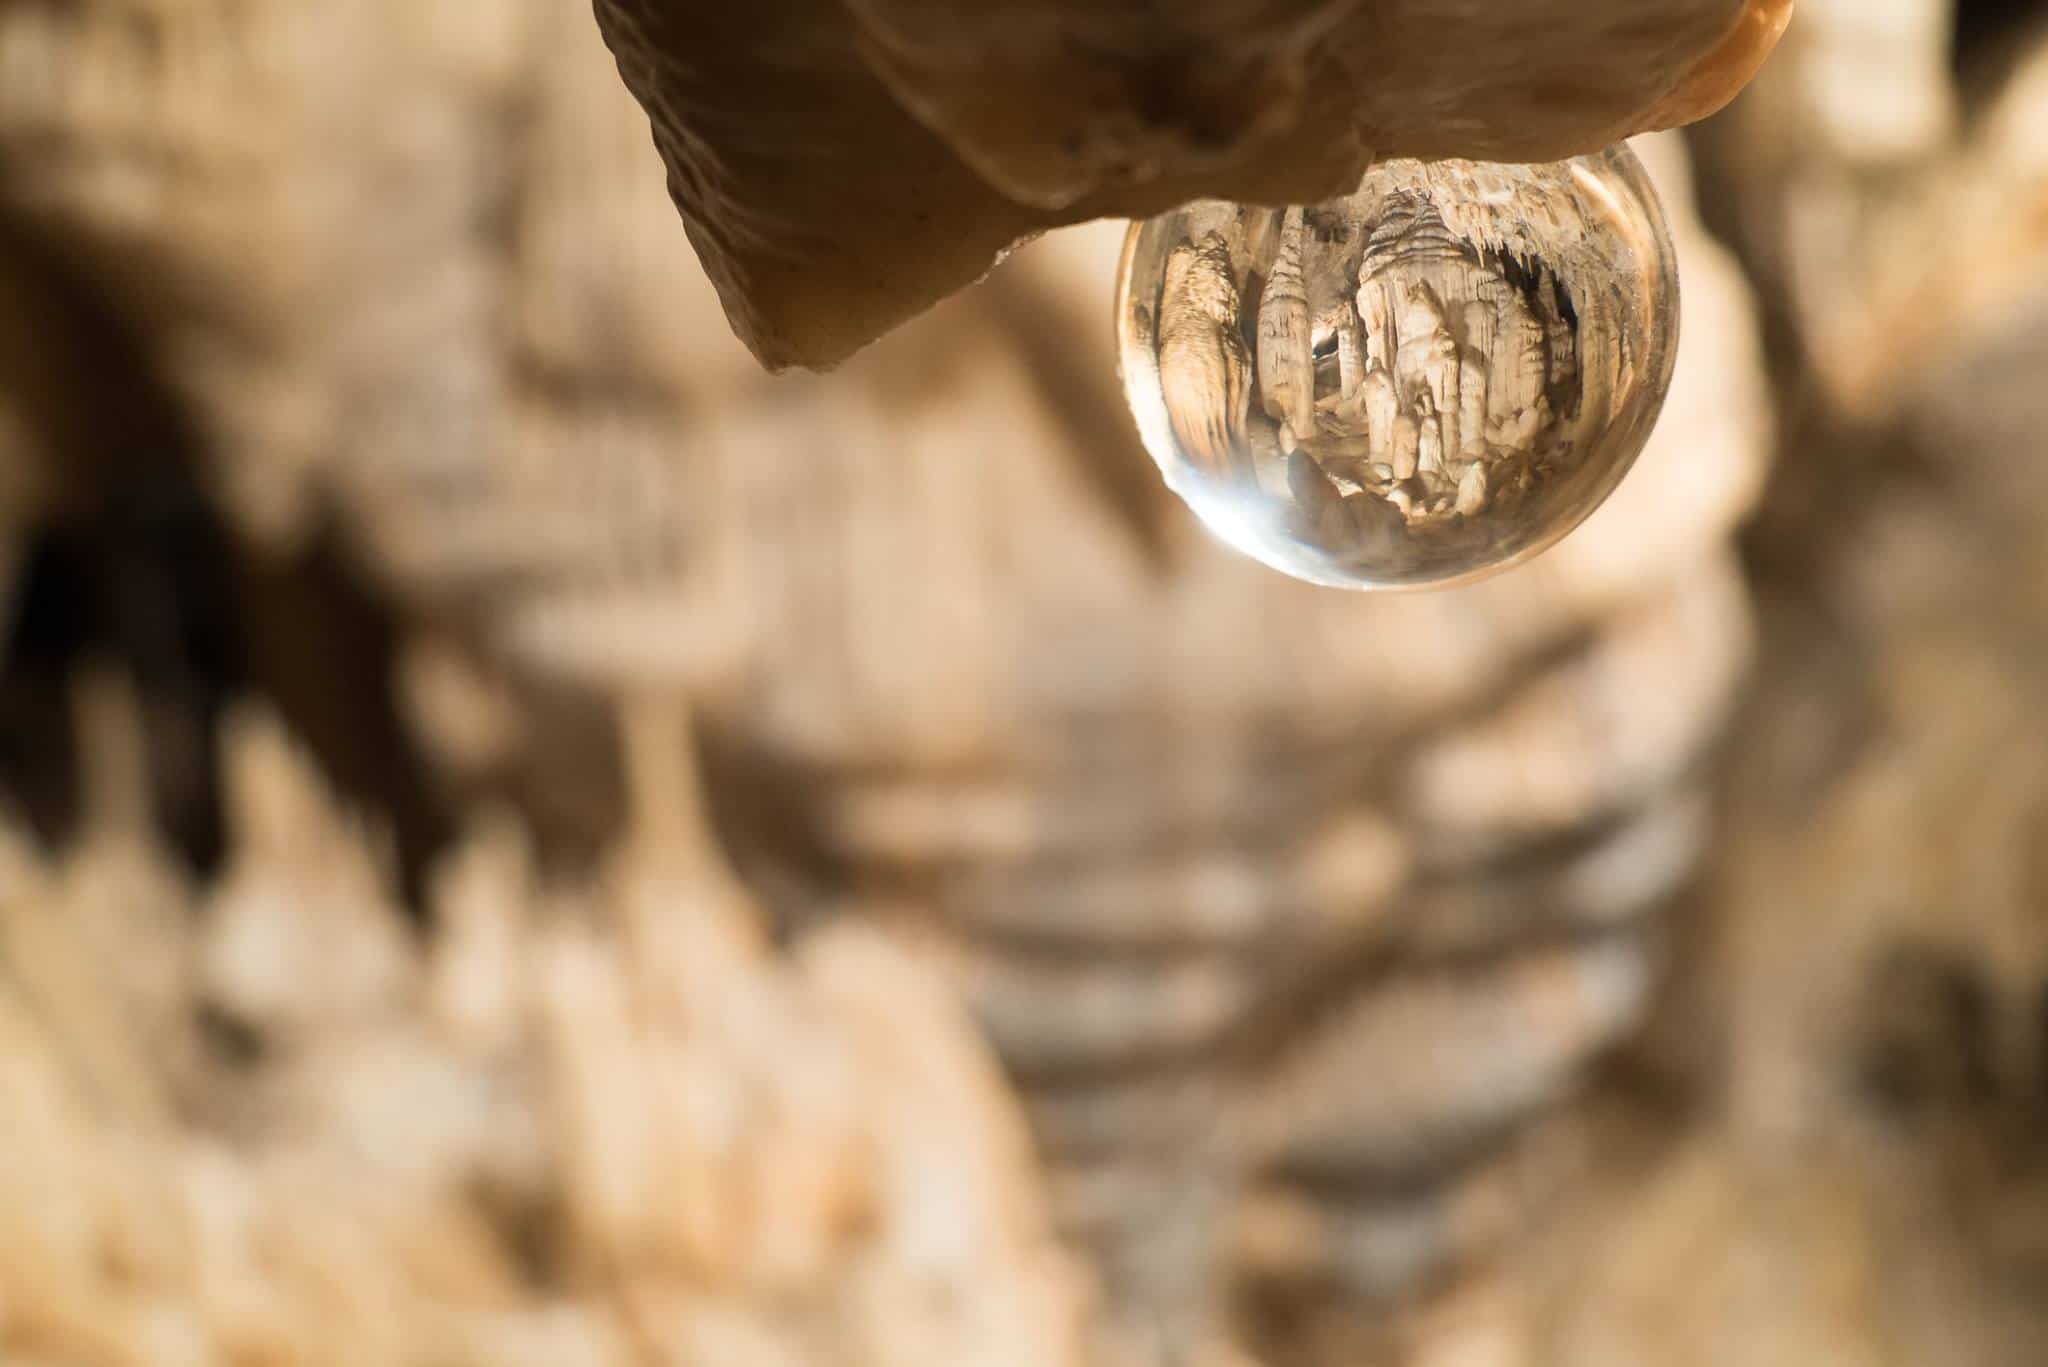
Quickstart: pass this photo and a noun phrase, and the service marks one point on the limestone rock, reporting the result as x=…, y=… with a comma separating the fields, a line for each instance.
x=809, y=1158
x=1204, y=368
x=1162, y=817
x=841, y=167
x=1285, y=367
x=1868, y=1184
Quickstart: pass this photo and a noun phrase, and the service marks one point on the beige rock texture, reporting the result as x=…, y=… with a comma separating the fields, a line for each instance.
x=598, y=1122
x=1868, y=1181
x=1175, y=830
x=1307, y=928
x=1194, y=845
x=844, y=164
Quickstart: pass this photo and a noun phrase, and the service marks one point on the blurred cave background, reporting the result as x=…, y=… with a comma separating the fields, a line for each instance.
x=527, y=840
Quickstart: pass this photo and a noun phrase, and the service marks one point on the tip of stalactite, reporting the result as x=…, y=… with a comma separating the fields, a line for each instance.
x=837, y=186
x=1716, y=79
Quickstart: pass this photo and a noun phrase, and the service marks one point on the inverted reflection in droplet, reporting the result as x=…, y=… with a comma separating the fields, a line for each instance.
x=1426, y=380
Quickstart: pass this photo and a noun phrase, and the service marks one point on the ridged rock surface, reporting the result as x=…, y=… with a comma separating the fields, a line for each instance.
x=843, y=166
x=597, y=1124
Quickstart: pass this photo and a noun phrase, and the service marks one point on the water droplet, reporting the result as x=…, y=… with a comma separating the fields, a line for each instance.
x=1432, y=378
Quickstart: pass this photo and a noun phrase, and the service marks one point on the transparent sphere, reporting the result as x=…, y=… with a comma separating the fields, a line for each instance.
x=1425, y=381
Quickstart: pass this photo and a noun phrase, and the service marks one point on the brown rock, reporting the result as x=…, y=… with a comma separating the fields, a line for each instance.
x=841, y=168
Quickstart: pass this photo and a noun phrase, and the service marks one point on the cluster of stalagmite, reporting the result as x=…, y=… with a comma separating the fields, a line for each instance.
x=1451, y=366
x=1445, y=339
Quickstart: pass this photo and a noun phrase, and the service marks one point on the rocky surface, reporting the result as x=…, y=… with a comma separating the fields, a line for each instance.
x=1195, y=845
x=1163, y=818
x=1303, y=925
x=842, y=167
x=589, y=1123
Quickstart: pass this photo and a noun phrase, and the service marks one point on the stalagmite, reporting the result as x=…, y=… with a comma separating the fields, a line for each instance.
x=1376, y=320
x=1407, y=446
x=1472, y=382
x=1204, y=367
x=1516, y=375
x=1445, y=390
x=1472, y=489
x=1481, y=324
x=1351, y=357
x=1286, y=369
x=1420, y=329
x=1382, y=413
x=1430, y=440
